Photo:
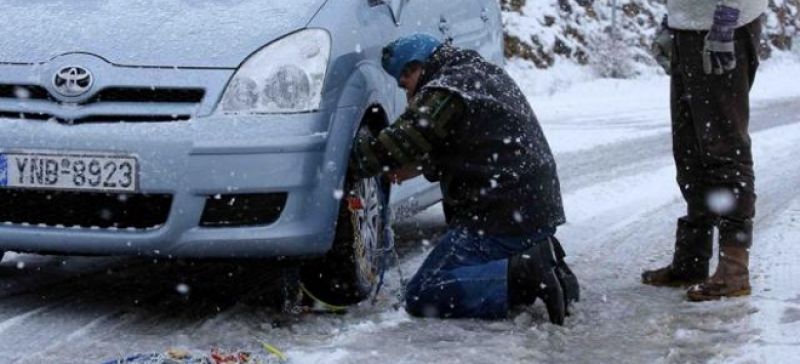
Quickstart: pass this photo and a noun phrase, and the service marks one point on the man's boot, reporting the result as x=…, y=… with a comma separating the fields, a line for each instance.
x=523, y=280
x=532, y=275
x=568, y=279
x=732, y=277
x=693, y=249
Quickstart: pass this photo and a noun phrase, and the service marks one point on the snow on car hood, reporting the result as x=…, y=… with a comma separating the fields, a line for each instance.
x=181, y=33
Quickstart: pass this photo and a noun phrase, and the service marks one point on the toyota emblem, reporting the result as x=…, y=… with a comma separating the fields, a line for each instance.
x=73, y=81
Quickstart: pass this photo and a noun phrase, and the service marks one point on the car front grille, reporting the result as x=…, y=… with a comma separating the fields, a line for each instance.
x=111, y=94
x=136, y=100
x=32, y=92
x=84, y=209
x=149, y=94
x=97, y=118
x=25, y=115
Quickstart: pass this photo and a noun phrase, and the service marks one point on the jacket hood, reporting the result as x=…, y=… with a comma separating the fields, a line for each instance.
x=172, y=33
x=443, y=57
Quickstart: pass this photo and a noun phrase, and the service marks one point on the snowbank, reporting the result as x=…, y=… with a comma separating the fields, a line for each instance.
x=570, y=90
x=613, y=36
x=580, y=111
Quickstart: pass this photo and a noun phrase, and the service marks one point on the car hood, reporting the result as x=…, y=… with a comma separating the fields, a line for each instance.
x=173, y=33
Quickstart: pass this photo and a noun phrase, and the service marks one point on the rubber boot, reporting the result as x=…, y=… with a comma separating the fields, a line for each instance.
x=532, y=275
x=568, y=279
x=693, y=249
x=552, y=293
x=732, y=277
x=523, y=279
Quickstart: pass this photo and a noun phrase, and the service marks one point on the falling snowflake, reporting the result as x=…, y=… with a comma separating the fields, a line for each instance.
x=721, y=201
x=183, y=289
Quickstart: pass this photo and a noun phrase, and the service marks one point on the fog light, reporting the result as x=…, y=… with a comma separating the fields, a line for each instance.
x=243, y=210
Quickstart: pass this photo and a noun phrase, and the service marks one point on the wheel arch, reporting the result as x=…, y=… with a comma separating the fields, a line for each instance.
x=366, y=98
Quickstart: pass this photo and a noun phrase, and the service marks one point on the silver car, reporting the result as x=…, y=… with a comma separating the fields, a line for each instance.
x=201, y=128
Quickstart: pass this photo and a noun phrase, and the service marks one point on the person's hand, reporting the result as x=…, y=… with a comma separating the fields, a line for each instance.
x=719, y=53
x=662, y=48
x=360, y=165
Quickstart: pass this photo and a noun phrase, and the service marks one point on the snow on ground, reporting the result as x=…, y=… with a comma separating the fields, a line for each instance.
x=569, y=98
x=776, y=272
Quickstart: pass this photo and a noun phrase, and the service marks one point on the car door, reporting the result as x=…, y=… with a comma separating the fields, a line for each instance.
x=465, y=23
x=473, y=24
x=490, y=44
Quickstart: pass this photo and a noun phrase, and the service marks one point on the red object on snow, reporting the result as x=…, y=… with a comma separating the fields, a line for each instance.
x=224, y=358
x=355, y=203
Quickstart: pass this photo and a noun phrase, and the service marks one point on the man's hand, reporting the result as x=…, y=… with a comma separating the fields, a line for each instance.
x=363, y=162
x=662, y=48
x=719, y=54
x=398, y=176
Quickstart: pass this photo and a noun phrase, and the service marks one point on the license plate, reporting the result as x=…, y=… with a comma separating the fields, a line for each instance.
x=69, y=171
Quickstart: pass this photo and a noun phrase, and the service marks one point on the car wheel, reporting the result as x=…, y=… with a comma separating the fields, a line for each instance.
x=350, y=271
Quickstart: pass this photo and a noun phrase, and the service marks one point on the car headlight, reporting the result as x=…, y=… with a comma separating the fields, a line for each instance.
x=286, y=76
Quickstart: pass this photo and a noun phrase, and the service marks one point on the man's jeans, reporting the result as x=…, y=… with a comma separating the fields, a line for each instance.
x=466, y=275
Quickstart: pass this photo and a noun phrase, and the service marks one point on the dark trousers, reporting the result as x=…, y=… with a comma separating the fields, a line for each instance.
x=711, y=141
x=466, y=275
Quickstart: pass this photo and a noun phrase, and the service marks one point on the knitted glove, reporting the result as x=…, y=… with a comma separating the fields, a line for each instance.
x=719, y=55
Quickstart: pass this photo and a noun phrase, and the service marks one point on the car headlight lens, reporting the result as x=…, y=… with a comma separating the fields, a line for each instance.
x=286, y=76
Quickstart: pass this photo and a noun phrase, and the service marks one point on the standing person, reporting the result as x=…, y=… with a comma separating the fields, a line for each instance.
x=469, y=127
x=714, y=57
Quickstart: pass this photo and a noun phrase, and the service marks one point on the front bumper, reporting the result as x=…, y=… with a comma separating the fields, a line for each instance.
x=216, y=155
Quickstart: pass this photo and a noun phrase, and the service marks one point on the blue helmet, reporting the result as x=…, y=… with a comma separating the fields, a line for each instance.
x=413, y=48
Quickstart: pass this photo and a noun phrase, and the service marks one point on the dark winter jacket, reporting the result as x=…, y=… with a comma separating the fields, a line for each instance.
x=472, y=129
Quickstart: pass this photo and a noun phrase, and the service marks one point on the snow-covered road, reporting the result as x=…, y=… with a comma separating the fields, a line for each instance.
x=621, y=200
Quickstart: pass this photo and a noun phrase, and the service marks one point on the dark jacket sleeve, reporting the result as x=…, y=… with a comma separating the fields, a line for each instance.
x=413, y=138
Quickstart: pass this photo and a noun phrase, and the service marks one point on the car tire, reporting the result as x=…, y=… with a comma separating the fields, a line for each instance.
x=350, y=271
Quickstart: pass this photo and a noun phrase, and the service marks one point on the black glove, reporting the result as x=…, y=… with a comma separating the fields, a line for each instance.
x=363, y=162
x=719, y=54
